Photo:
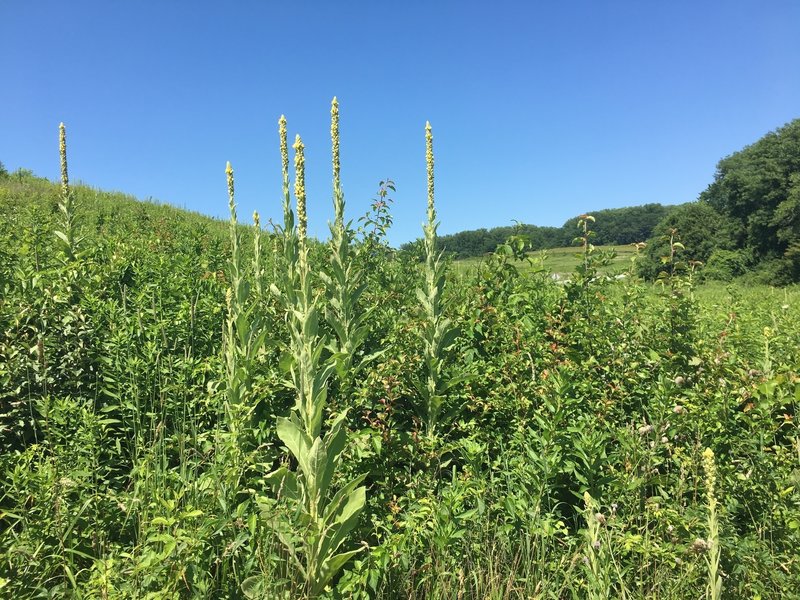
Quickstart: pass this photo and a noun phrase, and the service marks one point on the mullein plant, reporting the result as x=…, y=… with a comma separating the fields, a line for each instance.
x=437, y=332
x=344, y=283
x=66, y=203
x=321, y=518
x=243, y=337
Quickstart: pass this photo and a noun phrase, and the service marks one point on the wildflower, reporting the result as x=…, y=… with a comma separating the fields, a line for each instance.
x=680, y=381
x=678, y=409
x=645, y=429
x=700, y=546
x=596, y=544
x=600, y=518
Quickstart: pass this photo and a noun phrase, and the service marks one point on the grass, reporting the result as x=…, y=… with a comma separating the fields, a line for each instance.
x=560, y=261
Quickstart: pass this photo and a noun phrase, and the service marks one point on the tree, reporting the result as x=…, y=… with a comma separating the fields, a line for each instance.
x=759, y=187
x=698, y=227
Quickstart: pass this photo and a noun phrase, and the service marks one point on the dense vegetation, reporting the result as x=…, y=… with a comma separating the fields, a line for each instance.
x=612, y=227
x=193, y=409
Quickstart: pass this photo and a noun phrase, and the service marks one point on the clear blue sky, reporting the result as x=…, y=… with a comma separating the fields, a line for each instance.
x=540, y=110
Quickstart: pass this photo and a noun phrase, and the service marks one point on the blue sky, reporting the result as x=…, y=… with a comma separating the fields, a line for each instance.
x=540, y=110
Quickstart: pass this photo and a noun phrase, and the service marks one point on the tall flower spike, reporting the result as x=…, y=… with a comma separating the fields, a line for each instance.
x=335, y=141
x=300, y=187
x=231, y=201
x=338, y=197
x=62, y=150
x=429, y=162
x=285, y=170
x=284, y=148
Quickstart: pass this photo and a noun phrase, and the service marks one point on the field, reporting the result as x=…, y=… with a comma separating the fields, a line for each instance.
x=199, y=409
x=560, y=261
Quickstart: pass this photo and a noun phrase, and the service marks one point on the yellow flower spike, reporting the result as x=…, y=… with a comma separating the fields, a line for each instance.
x=300, y=187
x=62, y=150
x=256, y=219
x=429, y=163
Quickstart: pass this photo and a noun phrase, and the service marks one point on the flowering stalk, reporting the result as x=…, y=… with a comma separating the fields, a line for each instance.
x=437, y=333
x=325, y=517
x=244, y=334
x=66, y=203
x=343, y=282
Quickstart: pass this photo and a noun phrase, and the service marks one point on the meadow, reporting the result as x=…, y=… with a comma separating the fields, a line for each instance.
x=197, y=409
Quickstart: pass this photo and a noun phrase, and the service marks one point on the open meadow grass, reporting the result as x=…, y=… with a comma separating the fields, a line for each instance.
x=198, y=409
x=559, y=261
